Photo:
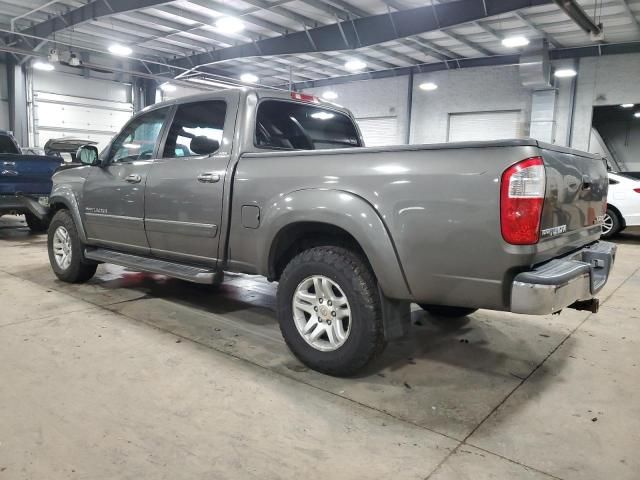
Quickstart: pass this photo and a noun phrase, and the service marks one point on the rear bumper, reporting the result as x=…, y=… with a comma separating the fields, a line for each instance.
x=568, y=281
x=23, y=204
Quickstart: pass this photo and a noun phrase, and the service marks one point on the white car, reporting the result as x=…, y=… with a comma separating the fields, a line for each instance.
x=623, y=204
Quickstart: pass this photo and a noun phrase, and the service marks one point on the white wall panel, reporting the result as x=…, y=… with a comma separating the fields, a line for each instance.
x=4, y=98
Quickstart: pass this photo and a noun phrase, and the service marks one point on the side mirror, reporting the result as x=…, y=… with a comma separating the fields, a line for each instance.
x=204, y=145
x=88, y=155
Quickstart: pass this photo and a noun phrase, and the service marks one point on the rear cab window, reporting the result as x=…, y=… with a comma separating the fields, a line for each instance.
x=286, y=125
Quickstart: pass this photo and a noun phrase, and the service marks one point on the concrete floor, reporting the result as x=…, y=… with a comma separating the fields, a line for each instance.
x=143, y=377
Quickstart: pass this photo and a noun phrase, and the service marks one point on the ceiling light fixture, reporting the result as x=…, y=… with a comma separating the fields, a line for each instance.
x=428, y=86
x=168, y=87
x=513, y=42
x=355, y=65
x=44, y=66
x=120, y=50
x=628, y=105
x=249, y=78
x=329, y=95
x=565, y=73
x=637, y=114
x=230, y=24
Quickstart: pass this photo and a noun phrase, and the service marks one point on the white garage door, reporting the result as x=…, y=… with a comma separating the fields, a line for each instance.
x=57, y=116
x=465, y=127
x=66, y=105
x=379, y=131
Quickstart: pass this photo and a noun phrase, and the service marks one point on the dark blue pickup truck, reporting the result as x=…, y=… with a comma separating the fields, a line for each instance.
x=25, y=183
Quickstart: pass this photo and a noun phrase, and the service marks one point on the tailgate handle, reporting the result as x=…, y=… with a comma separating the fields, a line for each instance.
x=586, y=182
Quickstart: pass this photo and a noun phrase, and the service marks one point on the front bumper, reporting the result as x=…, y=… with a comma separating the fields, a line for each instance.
x=38, y=205
x=569, y=281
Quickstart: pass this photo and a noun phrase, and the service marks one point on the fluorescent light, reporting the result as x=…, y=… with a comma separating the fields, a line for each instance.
x=565, y=73
x=168, y=87
x=428, y=86
x=628, y=105
x=230, y=24
x=249, y=78
x=322, y=115
x=637, y=114
x=45, y=66
x=329, y=95
x=120, y=50
x=512, y=42
x=355, y=65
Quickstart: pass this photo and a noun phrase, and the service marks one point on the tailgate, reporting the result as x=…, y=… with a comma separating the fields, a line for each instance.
x=30, y=174
x=575, y=197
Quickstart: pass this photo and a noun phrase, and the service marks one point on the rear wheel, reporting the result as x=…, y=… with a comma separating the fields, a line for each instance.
x=449, y=312
x=611, y=225
x=329, y=310
x=65, y=250
x=35, y=224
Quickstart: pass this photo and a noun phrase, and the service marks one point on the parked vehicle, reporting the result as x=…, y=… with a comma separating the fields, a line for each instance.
x=623, y=204
x=268, y=182
x=25, y=183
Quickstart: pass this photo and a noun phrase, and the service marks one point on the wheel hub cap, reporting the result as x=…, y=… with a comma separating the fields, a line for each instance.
x=321, y=313
x=62, y=247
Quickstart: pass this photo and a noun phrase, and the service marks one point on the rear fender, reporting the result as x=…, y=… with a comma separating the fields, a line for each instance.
x=348, y=212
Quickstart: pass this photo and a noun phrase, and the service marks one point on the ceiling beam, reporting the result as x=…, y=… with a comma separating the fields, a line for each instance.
x=90, y=11
x=367, y=31
x=630, y=13
x=560, y=53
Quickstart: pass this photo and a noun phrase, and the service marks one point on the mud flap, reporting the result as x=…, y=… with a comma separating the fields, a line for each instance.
x=396, y=316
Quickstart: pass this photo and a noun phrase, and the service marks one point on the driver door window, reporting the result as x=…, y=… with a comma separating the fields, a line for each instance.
x=138, y=140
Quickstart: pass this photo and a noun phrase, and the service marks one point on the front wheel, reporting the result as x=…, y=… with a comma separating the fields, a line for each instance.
x=329, y=310
x=65, y=250
x=449, y=312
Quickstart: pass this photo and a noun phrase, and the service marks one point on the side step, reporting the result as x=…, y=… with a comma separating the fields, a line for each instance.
x=154, y=265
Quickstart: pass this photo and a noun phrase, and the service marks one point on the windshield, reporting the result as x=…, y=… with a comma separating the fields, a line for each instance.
x=297, y=126
x=7, y=145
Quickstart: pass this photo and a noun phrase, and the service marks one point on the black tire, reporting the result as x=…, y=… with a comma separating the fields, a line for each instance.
x=352, y=274
x=79, y=269
x=446, y=311
x=35, y=224
x=616, y=224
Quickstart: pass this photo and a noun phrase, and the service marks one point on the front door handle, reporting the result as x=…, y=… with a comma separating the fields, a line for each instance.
x=209, y=177
x=133, y=178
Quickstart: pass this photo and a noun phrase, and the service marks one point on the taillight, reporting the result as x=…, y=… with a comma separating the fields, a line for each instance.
x=521, y=199
x=637, y=190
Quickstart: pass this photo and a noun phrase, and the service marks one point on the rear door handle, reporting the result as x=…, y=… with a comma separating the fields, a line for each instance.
x=133, y=178
x=209, y=177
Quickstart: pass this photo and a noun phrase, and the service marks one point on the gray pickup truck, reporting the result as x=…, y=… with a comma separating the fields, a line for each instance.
x=279, y=184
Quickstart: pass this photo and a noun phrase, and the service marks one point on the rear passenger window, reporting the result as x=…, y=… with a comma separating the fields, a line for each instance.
x=297, y=126
x=196, y=129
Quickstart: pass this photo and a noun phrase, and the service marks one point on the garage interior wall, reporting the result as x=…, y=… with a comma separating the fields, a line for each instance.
x=66, y=105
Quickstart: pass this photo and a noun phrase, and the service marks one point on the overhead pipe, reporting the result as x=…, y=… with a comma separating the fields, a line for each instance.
x=579, y=16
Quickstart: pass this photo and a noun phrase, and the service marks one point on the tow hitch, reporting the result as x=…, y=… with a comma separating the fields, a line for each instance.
x=591, y=305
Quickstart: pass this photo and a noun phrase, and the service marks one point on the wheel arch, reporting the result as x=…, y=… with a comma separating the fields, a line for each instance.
x=313, y=217
x=623, y=224
x=64, y=198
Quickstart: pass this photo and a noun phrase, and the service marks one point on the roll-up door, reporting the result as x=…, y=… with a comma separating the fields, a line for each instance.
x=379, y=131
x=464, y=127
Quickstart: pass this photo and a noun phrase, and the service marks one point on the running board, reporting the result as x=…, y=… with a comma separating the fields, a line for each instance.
x=154, y=265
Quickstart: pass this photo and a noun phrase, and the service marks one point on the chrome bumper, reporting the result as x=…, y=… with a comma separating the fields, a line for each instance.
x=570, y=281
